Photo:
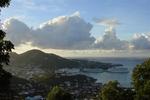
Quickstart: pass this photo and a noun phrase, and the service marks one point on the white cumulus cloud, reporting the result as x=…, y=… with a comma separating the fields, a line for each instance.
x=110, y=41
x=17, y=31
x=141, y=41
x=64, y=32
x=72, y=33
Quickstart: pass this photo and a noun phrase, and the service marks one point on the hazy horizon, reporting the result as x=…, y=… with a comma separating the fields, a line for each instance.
x=83, y=54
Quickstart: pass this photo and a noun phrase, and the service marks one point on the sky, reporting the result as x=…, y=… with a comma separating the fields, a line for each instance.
x=79, y=27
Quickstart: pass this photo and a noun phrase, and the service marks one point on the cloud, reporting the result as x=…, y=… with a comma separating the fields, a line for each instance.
x=107, y=22
x=64, y=32
x=18, y=32
x=110, y=41
x=71, y=33
x=141, y=41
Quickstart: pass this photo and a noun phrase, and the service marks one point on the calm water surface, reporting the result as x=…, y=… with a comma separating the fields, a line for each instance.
x=123, y=78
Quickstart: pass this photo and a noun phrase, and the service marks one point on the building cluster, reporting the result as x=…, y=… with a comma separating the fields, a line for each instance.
x=81, y=87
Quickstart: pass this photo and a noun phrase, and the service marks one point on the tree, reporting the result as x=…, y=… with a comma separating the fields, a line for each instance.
x=58, y=94
x=4, y=3
x=5, y=49
x=141, y=80
x=112, y=91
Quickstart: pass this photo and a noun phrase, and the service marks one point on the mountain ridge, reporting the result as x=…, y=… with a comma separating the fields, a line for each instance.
x=35, y=63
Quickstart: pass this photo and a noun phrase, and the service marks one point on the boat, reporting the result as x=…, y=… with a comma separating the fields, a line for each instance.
x=118, y=70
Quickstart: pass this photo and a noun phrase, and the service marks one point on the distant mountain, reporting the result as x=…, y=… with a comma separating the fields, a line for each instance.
x=36, y=63
x=43, y=60
x=40, y=59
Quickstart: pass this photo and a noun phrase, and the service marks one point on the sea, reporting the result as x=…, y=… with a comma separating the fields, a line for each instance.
x=125, y=79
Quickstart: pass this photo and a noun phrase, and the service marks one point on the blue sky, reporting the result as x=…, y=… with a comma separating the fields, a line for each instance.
x=133, y=14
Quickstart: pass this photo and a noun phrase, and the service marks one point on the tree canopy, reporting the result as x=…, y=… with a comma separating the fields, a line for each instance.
x=5, y=45
x=4, y=3
x=58, y=93
x=110, y=91
x=141, y=80
x=113, y=91
x=5, y=49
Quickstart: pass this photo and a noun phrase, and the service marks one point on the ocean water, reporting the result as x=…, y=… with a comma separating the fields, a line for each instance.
x=123, y=78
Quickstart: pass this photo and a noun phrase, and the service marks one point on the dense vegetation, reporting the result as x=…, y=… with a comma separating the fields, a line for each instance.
x=4, y=3
x=5, y=49
x=112, y=91
x=141, y=81
x=58, y=94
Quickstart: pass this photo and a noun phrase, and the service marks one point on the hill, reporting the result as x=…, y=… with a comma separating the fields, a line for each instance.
x=35, y=63
x=40, y=59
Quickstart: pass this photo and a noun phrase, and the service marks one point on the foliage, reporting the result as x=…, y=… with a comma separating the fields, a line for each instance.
x=43, y=77
x=4, y=3
x=127, y=94
x=5, y=49
x=112, y=91
x=58, y=94
x=4, y=80
x=141, y=80
x=5, y=46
